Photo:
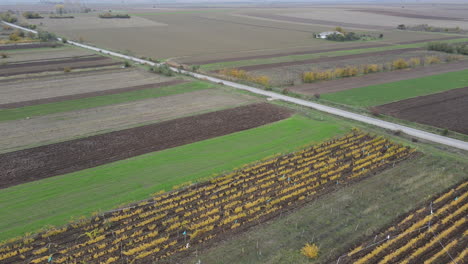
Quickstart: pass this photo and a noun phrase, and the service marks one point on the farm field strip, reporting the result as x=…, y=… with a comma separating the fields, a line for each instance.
x=433, y=234
x=315, y=51
x=76, y=82
x=53, y=67
x=390, y=92
x=327, y=59
x=317, y=21
x=43, y=54
x=100, y=101
x=90, y=94
x=52, y=61
x=27, y=46
x=177, y=221
x=318, y=54
x=50, y=160
x=53, y=201
x=444, y=110
x=344, y=84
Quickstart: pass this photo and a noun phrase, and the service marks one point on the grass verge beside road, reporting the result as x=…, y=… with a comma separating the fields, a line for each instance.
x=54, y=201
x=97, y=101
x=391, y=92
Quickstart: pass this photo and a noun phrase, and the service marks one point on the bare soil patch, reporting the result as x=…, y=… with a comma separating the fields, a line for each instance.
x=50, y=160
x=326, y=59
x=53, y=128
x=316, y=21
x=90, y=94
x=56, y=65
x=401, y=14
x=28, y=46
x=376, y=78
x=445, y=110
x=64, y=84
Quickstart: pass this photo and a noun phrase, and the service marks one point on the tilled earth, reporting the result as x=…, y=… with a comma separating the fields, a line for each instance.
x=46, y=161
x=445, y=110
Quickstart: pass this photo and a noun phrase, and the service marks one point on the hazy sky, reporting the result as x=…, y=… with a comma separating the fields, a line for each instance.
x=259, y=1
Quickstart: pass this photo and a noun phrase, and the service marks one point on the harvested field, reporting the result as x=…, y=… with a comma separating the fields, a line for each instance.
x=282, y=54
x=330, y=23
x=61, y=158
x=445, y=110
x=152, y=230
x=25, y=55
x=326, y=59
x=38, y=88
x=56, y=65
x=401, y=14
x=90, y=94
x=69, y=125
x=376, y=78
x=436, y=233
x=28, y=46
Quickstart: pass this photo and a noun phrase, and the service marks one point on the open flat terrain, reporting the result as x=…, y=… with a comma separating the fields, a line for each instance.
x=443, y=110
x=71, y=124
x=17, y=91
x=60, y=158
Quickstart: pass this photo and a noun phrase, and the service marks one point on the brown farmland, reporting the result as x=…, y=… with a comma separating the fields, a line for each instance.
x=326, y=59
x=445, y=110
x=56, y=65
x=28, y=46
x=60, y=158
x=376, y=78
x=317, y=21
x=401, y=14
x=90, y=94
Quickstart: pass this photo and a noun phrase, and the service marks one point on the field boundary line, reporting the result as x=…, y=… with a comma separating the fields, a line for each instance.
x=331, y=110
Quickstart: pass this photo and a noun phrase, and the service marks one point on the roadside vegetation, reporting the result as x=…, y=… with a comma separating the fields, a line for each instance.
x=32, y=15
x=397, y=64
x=111, y=15
x=448, y=47
x=8, y=17
x=246, y=76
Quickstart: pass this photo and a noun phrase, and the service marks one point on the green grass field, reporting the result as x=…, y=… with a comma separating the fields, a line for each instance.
x=390, y=92
x=97, y=101
x=54, y=201
x=234, y=64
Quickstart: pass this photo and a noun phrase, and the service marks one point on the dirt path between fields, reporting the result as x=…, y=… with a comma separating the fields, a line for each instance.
x=90, y=94
x=376, y=78
x=445, y=110
x=58, y=127
x=56, y=159
x=325, y=59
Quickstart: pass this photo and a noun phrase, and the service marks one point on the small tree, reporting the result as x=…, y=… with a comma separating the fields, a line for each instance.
x=60, y=9
x=46, y=36
x=340, y=29
x=401, y=27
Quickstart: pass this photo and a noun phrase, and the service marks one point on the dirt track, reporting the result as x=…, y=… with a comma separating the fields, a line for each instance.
x=325, y=59
x=376, y=78
x=90, y=94
x=50, y=160
x=445, y=110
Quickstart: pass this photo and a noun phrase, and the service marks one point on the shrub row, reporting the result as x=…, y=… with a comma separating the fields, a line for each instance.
x=448, y=47
x=244, y=75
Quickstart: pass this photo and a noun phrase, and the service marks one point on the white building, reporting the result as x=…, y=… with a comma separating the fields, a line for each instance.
x=324, y=35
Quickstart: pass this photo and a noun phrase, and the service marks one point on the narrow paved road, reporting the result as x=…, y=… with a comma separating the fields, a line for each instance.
x=331, y=110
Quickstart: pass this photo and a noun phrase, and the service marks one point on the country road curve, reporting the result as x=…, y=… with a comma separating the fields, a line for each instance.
x=331, y=110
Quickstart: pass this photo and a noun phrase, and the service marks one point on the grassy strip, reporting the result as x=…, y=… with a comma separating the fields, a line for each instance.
x=53, y=201
x=97, y=101
x=395, y=91
x=337, y=220
x=234, y=64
